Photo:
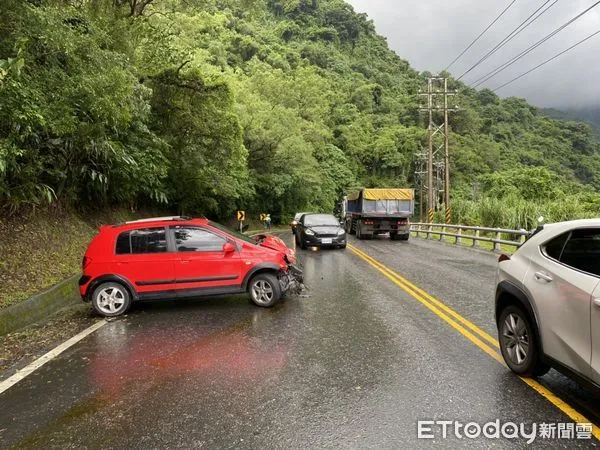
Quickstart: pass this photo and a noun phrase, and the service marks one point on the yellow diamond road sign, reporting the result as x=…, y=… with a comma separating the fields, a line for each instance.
x=241, y=216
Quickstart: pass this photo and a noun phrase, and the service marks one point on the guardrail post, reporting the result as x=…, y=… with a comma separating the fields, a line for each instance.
x=522, y=239
x=496, y=244
x=429, y=231
x=476, y=239
x=457, y=240
x=442, y=232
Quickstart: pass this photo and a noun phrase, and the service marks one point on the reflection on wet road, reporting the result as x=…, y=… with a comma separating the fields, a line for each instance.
x=353, y=365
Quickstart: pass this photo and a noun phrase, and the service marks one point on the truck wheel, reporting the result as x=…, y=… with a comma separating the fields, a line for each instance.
x=351, y=227
x=405, y=237
x=394, y=236
x=359, y=235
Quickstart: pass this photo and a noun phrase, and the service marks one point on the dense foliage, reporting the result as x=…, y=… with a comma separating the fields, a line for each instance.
x=265, y=105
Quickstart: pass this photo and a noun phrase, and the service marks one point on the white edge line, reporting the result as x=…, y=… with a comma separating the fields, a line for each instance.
x=29, y=369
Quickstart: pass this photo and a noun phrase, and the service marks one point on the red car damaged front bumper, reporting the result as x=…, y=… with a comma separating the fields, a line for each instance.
x=292, y=279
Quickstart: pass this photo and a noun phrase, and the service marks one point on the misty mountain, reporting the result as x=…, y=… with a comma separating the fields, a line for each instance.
x=590, y=115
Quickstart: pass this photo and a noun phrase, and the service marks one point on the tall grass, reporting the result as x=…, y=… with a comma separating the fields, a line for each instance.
x=515, y=213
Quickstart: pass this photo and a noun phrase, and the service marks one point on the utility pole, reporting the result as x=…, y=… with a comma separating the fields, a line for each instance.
x=438, y=151
x=420, y=175
x=430, y=202
x=446, y=156
x=421, y=206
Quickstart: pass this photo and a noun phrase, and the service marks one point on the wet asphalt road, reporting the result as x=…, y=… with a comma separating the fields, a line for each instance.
x=354, y=365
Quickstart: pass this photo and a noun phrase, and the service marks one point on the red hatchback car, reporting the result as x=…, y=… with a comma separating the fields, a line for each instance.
x=176, y=257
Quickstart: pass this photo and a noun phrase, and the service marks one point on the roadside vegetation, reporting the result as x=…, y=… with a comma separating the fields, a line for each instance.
x=515, y=210
x=266, y=105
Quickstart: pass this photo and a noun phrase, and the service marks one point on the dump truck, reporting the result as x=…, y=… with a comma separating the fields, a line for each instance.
x=370, y=212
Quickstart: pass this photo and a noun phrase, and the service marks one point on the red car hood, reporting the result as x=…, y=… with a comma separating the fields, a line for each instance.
x=275, y=243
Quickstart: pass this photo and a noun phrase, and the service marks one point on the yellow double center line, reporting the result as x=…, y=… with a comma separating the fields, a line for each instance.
x=469, y=330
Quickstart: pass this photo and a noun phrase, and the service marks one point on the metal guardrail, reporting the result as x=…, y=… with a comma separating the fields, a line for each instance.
x=476, y=235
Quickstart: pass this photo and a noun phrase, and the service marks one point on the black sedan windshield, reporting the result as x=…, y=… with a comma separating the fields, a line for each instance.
x=314, y=220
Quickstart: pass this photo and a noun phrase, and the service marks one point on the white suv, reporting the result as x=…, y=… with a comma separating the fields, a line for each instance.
x=548, y=302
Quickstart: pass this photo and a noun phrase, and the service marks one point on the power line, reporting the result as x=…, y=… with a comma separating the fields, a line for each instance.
x=512, y=35
x=547, y=61
x=481, y=34
x=510, y=62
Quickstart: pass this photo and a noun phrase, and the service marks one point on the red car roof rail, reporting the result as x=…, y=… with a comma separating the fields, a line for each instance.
x=154, y=219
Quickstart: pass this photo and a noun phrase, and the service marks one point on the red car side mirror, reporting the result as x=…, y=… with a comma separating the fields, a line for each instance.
x=228, y=247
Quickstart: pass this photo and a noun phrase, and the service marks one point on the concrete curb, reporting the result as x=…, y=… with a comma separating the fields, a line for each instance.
x=40, y=306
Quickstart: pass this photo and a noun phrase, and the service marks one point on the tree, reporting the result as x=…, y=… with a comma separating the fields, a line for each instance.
x=207, y=159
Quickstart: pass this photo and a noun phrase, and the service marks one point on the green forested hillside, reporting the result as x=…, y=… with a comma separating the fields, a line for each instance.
x=267, y=105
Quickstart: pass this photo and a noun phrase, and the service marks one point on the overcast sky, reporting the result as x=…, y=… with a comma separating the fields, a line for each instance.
x=431, y=33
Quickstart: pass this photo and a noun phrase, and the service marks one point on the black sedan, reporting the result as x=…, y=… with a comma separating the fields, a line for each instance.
x=320, y=230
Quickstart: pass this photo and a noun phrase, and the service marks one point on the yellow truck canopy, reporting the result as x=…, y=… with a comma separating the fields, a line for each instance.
x=384, y=194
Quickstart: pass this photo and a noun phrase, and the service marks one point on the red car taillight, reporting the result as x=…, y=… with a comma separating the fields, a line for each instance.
x=368, y=222
x=86, y=261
